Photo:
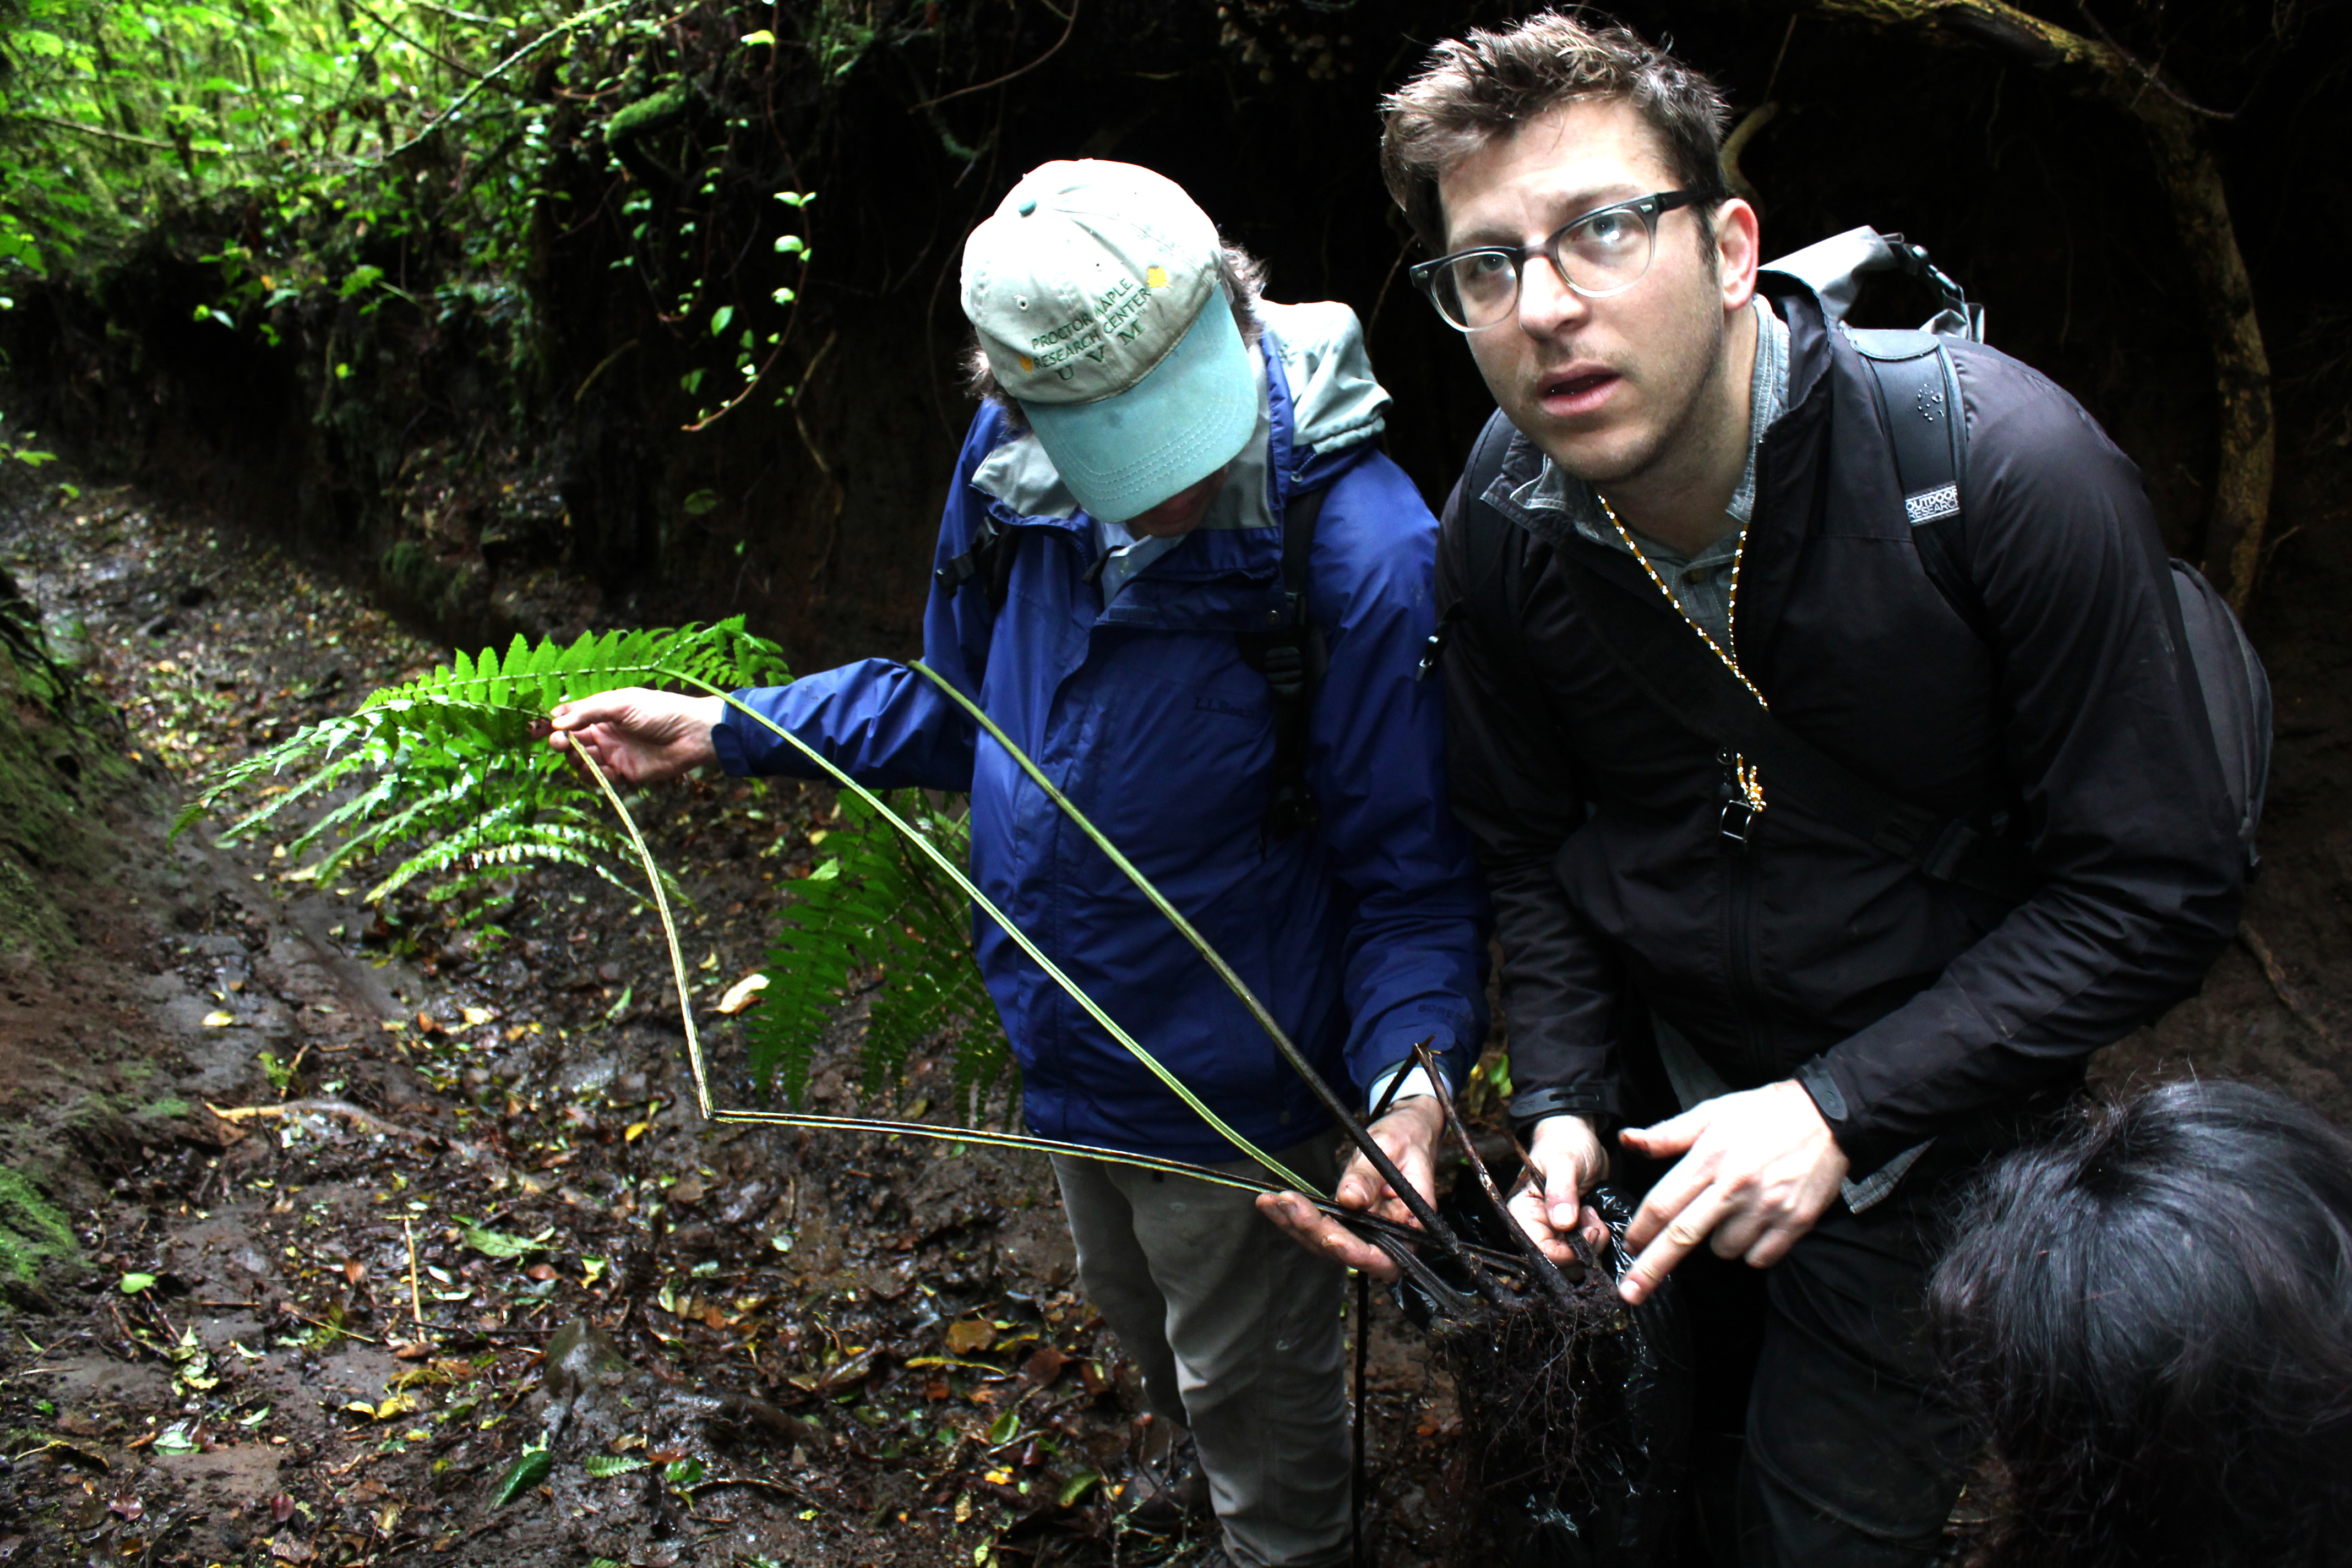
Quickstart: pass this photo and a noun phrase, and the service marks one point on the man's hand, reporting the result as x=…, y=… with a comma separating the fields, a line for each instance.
x=1407, y=1135
x=639, y=737
x=1565, y=1161
x=1756, y=1170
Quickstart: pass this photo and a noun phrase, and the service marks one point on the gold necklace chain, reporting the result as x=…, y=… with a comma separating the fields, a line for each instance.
x=1751, y=786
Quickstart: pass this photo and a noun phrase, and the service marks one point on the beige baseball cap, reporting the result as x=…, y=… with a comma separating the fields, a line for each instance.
x=1093, y=287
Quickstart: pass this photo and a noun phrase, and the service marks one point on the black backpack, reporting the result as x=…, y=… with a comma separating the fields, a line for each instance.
x=1919, y=400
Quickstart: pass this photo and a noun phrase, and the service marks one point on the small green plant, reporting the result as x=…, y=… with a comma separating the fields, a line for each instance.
x=280, y=1074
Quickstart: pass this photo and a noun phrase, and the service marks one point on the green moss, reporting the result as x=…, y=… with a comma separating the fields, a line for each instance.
x=27, y=919
x=648, y=114
x=165, y=1110
x=33, y=1235
x=49, y=767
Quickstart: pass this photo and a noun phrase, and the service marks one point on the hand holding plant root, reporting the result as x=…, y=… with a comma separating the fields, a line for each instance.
x=1757, y=1168
x=1565, y=1163
x=1408, y=1135
x=639, y=736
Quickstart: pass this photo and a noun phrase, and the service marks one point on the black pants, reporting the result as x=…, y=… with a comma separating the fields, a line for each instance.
x=1820, y=1438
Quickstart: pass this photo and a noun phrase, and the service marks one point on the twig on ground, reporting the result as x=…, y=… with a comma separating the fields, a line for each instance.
x=415, y=1298
x=2283, y=989
x=342, y=1108
x=348, y=1333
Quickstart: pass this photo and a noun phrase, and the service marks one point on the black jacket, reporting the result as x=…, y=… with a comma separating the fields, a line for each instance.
x=1914, y=1008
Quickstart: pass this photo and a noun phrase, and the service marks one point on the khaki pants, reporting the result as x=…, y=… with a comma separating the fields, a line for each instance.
x=1237, y=1332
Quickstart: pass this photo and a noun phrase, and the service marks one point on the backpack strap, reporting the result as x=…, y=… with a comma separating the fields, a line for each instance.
x=986, y=541
x=1485, y=594
x=1918, y=397
x=1293, y=658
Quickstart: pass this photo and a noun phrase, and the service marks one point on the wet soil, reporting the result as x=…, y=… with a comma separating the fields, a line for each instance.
x=365, y=1207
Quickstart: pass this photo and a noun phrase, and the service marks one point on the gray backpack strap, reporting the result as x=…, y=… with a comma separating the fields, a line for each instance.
x=1833, y=269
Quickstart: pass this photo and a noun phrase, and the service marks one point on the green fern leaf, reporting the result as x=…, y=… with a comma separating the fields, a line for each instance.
x=444, y=769
x=876, y=908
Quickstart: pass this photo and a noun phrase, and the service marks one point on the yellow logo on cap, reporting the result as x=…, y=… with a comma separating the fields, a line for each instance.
x=1155, y=278
x=1027, y=363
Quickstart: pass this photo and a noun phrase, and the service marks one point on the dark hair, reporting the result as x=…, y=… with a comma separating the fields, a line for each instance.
x=2151, y=1317
x=1242, y=275
x=1489, y=83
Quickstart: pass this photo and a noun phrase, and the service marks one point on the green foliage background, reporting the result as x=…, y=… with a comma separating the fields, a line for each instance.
x=378, y=151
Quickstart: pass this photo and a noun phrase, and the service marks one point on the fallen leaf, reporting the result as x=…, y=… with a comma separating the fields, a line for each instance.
x=291, y=1548
x=354, y=1270
x=689, y=1190
x=478, y=1016
x=218, y=1019
x=497, y=1243
x=541, y=1272
x=743, y=993
x=133, y=1283
x=968, y=1335
x=1045, y=1365
x=525, y=1473
x=128, y=1506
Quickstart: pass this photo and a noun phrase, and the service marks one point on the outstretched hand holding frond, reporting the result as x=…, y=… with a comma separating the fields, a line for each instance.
x=639, y=736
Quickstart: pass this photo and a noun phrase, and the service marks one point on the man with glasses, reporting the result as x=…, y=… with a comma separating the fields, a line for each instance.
x=1821, y=1035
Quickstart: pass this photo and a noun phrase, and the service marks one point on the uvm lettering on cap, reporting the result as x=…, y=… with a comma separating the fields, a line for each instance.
x=1095, y=291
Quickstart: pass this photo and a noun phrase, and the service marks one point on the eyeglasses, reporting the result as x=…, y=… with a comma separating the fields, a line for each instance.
x=1604, y=252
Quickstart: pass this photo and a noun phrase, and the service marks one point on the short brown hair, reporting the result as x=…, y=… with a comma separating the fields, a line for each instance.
x=1486, y=84
x=1242, y=275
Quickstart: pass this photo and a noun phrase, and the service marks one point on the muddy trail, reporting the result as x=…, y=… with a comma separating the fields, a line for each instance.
x=319, y=1218
x=322, y=1216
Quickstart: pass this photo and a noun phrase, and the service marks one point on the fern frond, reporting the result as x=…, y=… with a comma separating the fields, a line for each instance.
x=448, y=771
x=877, y=906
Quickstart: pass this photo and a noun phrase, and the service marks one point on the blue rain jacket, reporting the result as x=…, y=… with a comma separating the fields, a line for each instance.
x=1363, y=936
